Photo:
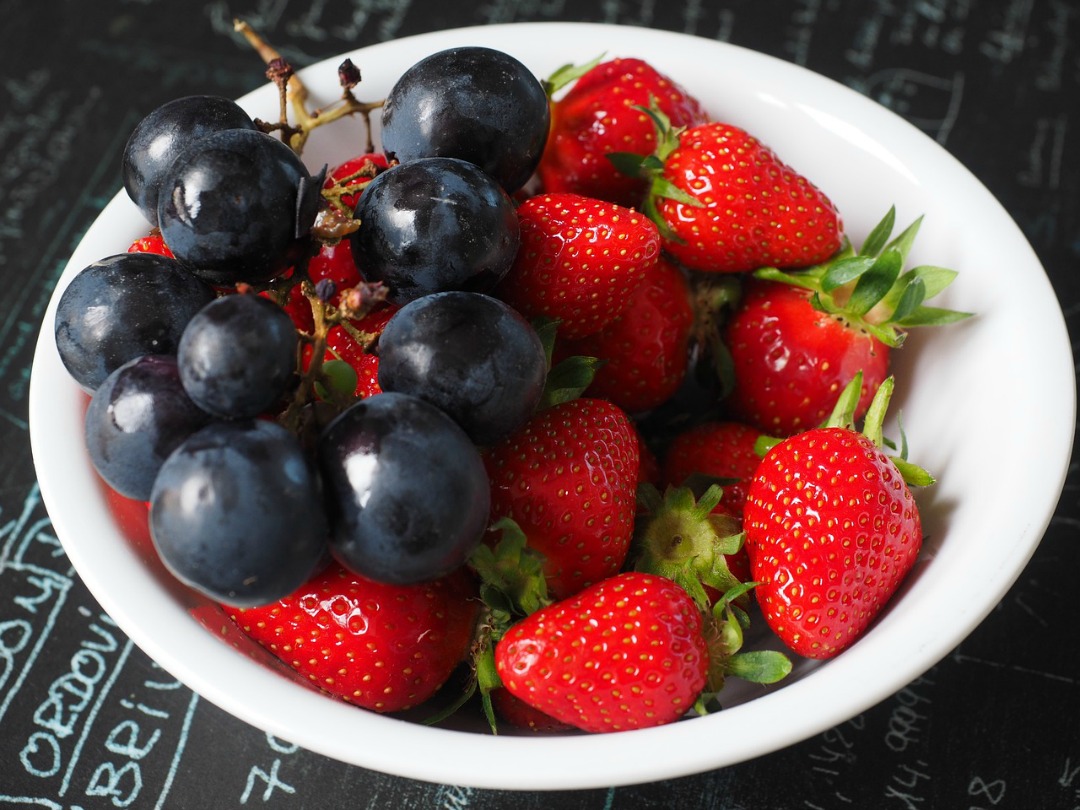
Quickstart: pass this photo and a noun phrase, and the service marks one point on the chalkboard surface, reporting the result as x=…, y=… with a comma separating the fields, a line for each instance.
x=87, y=721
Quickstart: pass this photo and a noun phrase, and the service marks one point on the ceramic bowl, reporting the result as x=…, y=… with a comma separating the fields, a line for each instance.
x=991, y=394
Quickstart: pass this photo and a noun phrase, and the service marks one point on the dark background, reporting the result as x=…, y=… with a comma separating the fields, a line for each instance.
x=994, y=725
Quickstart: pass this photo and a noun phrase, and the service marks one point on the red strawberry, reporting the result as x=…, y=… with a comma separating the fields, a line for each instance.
x=579, y=261
x=645, y=351
x=347, y=180
x=333, y=263
x=598, y=116
x=568, y=479
x=832, y=529
x=383, y=647
x=520, y=714
x=798, y=338
x=726, y=203
x=627, y=652
x=790, y=361
x=342, y=344
x=151, y=243
x=723, y=450
x=649, y=466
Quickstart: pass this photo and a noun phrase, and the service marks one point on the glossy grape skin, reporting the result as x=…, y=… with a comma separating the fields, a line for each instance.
x=238, y=356
x=470, y=355
x=236, y=513
x=407, y=493
x=123, y=307
x=165, y=132
x=136, y=419
x=434, y=224
x=237, y=206
x=473, y=103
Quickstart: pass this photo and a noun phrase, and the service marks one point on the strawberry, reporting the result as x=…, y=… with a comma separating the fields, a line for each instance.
x=798, y=338
x=579, y=261
x=722, y=452
x=568, y=479
x=649, y=466
x=790, y=360
x=692, y=540
x=645, y=351
x=345, y=182
x=332, y=264
x=383, y=647
x=715, y=449
x=832, y=528
x=726, y=203
x=351, y=345
x=521, y=715
x=599, y=116
x=627, y=652
x=151, y=243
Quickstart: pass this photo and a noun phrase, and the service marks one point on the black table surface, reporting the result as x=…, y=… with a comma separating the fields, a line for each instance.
x=992, y=726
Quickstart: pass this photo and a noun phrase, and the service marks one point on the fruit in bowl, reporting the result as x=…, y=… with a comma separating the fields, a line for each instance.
x=848, y=193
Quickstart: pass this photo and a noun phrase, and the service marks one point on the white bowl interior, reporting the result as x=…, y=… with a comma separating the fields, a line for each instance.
x=989, y=396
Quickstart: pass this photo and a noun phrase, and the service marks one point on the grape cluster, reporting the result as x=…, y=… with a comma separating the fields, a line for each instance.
x=216, y=395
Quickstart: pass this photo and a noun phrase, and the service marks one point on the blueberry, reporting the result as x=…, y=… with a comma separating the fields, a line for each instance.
x=473, y=103
x=434, y=224
x=237, y=356
x=236, y=513
x=407, y=493
x=469, y=354
x=165, y=132
x=136, y=419
x=123, y=307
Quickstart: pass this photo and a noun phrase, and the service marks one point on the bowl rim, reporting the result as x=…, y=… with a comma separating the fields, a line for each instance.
x=391, y=745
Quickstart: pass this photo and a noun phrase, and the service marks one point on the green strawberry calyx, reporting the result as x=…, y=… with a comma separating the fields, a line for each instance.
x=568, y=74
x=683, y=538
x=724, y=626
x=567, y=379
x=843, y=416
x=512, y=586
x=651, y=168
x=869, y=287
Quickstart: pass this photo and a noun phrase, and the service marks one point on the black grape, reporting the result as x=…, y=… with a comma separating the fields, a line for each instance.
x=123, y=307
x=237, y=356
x=235, y=513
x=136, y=419
x=476, y=104
x=168, y=130
x=469, y=354
x=407, y=493
x=237, y=206
x=434, y=224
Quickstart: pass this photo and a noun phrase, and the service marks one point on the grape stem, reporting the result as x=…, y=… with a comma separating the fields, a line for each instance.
x=355, y=304
x=294, y=94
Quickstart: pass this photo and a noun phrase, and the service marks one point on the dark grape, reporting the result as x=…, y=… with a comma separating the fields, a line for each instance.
x=407, y=493
x=123, y=307
x=237, y=206
x=235, y=513
x=136, y=419
x=238, y=355
x=476, y=104
x=169, y=129
x=469, y=354
x=434, y=224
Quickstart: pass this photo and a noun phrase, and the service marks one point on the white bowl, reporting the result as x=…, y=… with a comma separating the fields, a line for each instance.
x=988, y=406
